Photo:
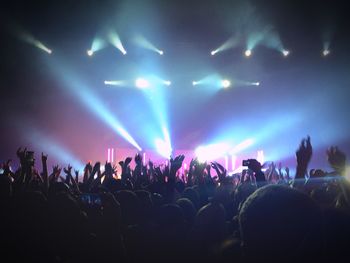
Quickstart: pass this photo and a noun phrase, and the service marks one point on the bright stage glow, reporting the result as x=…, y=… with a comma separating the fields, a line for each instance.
x=260, y=157
x=248, y=53
x=211, y=152
x=213, y=52
x=167, y=82
x=241, y=146
x=116, y=42
x=142, y=83
x=163, y=148
x=114, y=82
x=90, y=52
x=233, y=162
x=326, y=52
x=256, y=83
x=161, y=52
x=194, y=83
x=225, y=83
x=285, y=52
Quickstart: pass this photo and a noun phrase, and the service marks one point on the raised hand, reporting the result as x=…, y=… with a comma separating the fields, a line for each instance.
x=150, y=164
x=45, y=175
x=303, y=155
x=138, y=159
x=87, y=172
x=21, y=154
x=337, y=159
x=43, y=157
x=56, y=169
x=272, y=169
x=287, y=173
x=124, y=165
x=68, y=170
x=127, y=161
x=109, y=170
x=175, y=164
x=159, y=174
x=76, y=172
x=304, y=152
x=96, y=168
x=220, y=170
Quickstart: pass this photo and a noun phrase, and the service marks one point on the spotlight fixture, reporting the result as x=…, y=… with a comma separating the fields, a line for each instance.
x=248, y=53
x=285, y=52
x=225, y=83
x=142, y=83
x=90, y=52
x=326, y=52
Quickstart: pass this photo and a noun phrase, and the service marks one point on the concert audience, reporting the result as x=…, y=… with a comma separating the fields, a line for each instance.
x=156, y=214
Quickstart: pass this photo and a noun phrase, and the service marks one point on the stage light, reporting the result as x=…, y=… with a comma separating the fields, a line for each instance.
x=285, y=52
x=228, y=44
x=30, y=39
x=211, y=152
x=143, y=42
x=97, y=44
x=116, y=42
x=114, y=82
x=212, y=83
x=248, y=53
x=167, y=82
x=142, y=83
x=256, y=83
x=326, y=52
x=225, y=83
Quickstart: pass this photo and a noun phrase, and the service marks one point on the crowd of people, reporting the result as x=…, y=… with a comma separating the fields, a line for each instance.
x=156, y=214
